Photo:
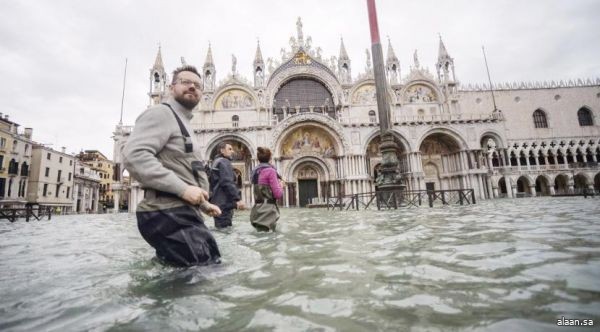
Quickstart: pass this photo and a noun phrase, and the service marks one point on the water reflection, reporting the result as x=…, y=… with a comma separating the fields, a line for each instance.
x=498, y=265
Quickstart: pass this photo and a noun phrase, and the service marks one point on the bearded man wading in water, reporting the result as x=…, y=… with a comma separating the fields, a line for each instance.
x=165, y=159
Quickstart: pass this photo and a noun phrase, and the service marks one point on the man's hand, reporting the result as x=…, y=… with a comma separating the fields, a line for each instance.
x=195, y=195
x=240, y=205
x=210, y=209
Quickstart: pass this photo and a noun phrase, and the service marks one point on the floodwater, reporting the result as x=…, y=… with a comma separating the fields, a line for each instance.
x=502, y=265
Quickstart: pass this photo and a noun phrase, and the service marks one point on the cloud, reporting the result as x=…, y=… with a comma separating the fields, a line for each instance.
x=62, y=61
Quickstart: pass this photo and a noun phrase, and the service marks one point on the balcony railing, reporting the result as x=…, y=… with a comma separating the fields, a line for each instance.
x=405, y=119
x=445, y=118
x=551, y=167
x=237, y=124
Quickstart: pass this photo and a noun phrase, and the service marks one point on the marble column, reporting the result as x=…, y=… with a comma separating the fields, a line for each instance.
x=532, y=190
x=509, y=189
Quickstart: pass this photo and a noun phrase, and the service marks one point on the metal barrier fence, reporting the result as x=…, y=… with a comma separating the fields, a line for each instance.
x=28, y=212
x=401, y=198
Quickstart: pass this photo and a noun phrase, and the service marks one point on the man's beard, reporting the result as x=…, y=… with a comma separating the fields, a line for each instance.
x=187, y=103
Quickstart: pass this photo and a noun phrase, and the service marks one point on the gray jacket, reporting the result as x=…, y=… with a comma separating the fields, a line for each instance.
x=155, y=156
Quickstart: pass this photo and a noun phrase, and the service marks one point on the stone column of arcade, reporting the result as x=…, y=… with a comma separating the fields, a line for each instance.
x=389, y=179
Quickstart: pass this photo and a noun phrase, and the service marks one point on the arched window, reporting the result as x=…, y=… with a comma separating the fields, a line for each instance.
x=372, y=116
x=235, y=121
x=539, y=119
x=585, y=117
x=13, y=167
x=24, y=169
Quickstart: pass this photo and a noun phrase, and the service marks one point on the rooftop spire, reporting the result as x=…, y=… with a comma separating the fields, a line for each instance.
x=158, y=63
x=343, y=53
x=209, y=57
x=442, y=52
x=391, y=55
x=258, y=59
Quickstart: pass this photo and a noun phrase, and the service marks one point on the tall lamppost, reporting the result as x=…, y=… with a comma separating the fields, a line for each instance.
x=389, y=178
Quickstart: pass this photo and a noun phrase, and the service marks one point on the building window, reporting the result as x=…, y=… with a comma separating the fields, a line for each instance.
x=539, y=119
x=24, y=184
x=24, y=169
x=372, y=116
x=69, y=176
x=45, y=189
x=15, y=144
x=48, y=156
x=47, y=171
x=70, y=162
x=68, y=191
x=235, y=121
x=13, y=167
x=60, y=160
x=58, y=177
x=2, y=143
x=57, y=190
x=585, y=117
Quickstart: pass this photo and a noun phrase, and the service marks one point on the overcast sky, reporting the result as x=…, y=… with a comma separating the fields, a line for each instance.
x=62, y=61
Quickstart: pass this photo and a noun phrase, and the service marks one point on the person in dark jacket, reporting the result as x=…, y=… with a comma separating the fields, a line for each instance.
x=224, y=191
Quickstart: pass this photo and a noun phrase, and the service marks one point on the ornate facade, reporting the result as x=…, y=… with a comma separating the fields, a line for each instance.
x=321, y=123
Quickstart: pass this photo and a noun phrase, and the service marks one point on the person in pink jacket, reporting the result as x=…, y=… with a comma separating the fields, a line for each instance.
x=268, y=188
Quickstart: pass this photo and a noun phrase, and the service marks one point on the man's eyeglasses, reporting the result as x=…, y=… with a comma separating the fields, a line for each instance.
x=189, y=83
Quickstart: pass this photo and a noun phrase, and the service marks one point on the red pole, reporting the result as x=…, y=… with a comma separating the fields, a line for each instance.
x=388, y=147
x=373, y=21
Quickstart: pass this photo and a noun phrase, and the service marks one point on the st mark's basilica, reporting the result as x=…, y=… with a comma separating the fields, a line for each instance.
x=320, y=120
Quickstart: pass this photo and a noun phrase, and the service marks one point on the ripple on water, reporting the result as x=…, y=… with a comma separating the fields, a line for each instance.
x=283, y=323
x=424, y=300
x=503, y=265
x=323, y=306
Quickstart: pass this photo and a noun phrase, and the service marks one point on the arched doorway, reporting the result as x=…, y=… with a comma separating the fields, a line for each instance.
x=441, y=152
x=561, y=184
x=432, y=177
x=597, y=183
x=523, y=189
x=308, y=184
x=542, y=186
x=503, y=192
x=580, y=182
x=306, y=154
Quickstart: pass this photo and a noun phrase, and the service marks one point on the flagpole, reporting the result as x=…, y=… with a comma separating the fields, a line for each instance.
x=489, y=78
x=123, y=94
